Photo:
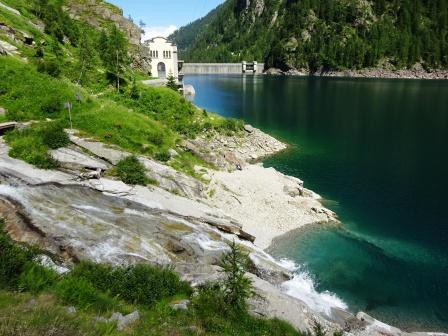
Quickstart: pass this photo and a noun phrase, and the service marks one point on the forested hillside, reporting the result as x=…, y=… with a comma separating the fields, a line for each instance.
x=324, y=34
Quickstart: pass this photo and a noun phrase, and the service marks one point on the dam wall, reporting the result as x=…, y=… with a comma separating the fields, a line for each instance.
x=222, y=68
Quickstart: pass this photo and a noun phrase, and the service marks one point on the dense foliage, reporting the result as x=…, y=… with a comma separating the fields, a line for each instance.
x=131, y=171
x=323, y=34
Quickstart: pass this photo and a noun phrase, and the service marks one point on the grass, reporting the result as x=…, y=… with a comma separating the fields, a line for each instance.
x=33, y=143
x=151, y=125
x=30, y=95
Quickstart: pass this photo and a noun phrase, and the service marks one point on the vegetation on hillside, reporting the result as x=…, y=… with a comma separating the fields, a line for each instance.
x=108, y=102
x=322, y=34
x=34, y=300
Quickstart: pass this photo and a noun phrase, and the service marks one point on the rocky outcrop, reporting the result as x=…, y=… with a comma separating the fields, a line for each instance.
x=166, y=177
x=74, y=159
x=7, y=49
x=226, y=152
x=99, y=14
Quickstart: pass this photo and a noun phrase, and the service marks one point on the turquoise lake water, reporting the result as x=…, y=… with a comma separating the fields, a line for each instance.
x=377, y=152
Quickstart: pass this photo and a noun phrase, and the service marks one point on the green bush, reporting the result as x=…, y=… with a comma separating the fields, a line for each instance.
x=32, y=144
x=51, y=106
x=36, y=278
x=140, y=284
x=156, y=138
x=162, y=156
x=131, y=171
x=81, y=293
x=230, y=126
x=54, y=136
x=13, y=261
x=50, y=67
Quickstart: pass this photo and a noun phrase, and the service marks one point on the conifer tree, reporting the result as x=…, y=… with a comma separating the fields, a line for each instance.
x=114, y=52
x=171, y=82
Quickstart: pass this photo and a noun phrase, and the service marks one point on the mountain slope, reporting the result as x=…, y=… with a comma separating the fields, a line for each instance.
x=324, y=34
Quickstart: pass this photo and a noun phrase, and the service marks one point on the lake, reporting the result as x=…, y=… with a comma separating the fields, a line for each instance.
x=376, y=151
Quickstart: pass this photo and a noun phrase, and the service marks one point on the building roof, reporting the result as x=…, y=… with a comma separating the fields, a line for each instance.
x=161, y=37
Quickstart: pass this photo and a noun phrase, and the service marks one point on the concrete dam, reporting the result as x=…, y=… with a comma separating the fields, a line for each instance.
x=222, y=68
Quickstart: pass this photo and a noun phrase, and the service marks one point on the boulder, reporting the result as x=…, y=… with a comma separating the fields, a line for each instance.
x=71, y=310
x=47, y=262
x=172, y=152
x=189, y=90
x=249, y=129
x=274, y=72
x=7, y=49
x=181, y=305
x=124, y=321
x=293, y=191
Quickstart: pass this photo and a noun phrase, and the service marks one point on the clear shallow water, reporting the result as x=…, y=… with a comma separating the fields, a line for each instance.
x=377, y=151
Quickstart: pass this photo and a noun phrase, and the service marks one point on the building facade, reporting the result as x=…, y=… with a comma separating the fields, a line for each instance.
x=164, y=58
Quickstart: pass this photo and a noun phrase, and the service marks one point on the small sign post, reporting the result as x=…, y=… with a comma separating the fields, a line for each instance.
x=68, y=106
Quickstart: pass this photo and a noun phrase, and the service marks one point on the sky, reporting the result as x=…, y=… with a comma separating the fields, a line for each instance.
x=163, y=17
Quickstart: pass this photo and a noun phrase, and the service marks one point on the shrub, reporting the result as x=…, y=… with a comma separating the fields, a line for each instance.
x=131, y=171
x=29, y=145
x=82, y=294
x=231, y=125
x=162, y=156
x=36, y=278
x=210, y=301
x=156, y=138
x=13, y=260
x=54, y=136
x=50, y=67
x=318, y=329
x=51, y=106
x=140, y=284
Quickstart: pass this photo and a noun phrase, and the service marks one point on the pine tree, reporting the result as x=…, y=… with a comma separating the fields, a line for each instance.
x=86, y=56
x=114, y=52
x=237, y=287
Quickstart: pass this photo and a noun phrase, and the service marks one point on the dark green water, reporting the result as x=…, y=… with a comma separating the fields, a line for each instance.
x=376, y=150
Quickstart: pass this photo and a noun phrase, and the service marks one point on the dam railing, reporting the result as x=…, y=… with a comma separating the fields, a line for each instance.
x=222, y=68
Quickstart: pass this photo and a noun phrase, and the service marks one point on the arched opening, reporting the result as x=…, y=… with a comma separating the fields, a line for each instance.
x=161, y=70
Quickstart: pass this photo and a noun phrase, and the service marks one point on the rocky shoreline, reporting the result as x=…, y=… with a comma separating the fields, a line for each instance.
x=183, y=221
x=366, y=73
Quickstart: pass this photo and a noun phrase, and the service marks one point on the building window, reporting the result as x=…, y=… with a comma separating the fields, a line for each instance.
x=166, y=54
x=154, y=54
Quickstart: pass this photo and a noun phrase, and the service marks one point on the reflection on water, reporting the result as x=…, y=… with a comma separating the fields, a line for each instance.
x=377, y=148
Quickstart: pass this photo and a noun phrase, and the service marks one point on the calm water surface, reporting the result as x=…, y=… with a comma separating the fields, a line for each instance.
x=376, y=150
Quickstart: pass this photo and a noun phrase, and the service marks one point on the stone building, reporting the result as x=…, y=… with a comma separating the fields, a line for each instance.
x=164, y=58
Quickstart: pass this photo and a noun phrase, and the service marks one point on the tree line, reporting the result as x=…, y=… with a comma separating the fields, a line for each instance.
x=326, y=34
x=107, y=47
